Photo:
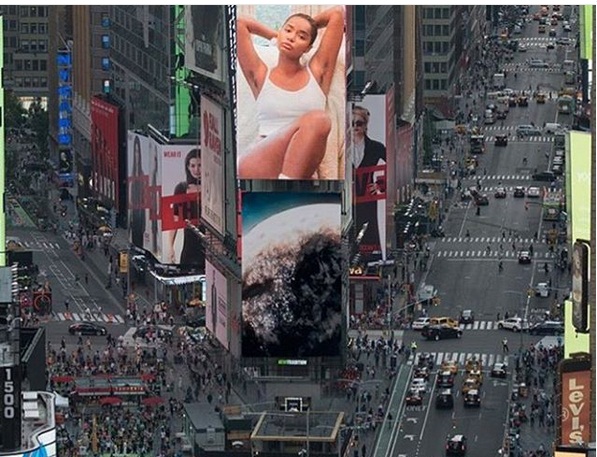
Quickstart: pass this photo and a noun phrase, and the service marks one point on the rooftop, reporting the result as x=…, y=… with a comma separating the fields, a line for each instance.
x=288, y=426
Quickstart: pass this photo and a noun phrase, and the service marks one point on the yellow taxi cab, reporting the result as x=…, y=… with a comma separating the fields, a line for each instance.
x=443, y=320
x=470, y=384
x=473, y=364
x=476, y=374
x=449, y=365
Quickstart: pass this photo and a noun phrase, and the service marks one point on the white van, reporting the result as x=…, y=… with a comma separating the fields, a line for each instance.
x=551, y=128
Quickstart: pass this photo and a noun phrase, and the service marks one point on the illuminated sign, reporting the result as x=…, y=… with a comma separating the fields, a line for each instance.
x=65, y=92
x=575, y=402
x=10, y=407
x=292, y=362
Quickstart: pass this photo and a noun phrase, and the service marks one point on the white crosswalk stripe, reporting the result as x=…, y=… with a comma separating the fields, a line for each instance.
x=107, y=318
x=40, y=245
x=528, y=139
x=502, y=178
x=484, y=254
x=486, y=239
x=461, y=357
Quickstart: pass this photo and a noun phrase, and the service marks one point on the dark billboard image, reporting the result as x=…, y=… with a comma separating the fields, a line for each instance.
x=204, y=40
x=104, y=148
x=369, y=161
x=138, y=169
x=291, y=92
x=10, y=407
x=291, y=274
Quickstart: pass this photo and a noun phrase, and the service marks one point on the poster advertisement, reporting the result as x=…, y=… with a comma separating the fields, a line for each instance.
x=291, y=274
x=204, y=39
x=369, y=165
x=212, y=164
x=104, y=148
x=181, y=202
x=138, y=169
x=291, y=92
x=216, y=309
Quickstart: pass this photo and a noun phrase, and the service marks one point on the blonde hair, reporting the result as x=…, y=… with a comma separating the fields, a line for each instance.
x=361, y=111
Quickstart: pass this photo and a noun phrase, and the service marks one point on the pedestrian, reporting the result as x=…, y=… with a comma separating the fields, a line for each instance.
x=86, y=279
x=66, y=305
x=413, y=347
x=505, y=346
x=498, y=316
x=364, y=450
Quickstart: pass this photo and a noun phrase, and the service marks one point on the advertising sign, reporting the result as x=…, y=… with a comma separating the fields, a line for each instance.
x=181, y=202
x=104, y=148
x=204, y=40
x=580, y=286
x=141, y=226
x=369, y=164
x=212, y=164
x=291, y=92
x=575, y=406
x=216, y=308
x=10, y=407
x=291, y=274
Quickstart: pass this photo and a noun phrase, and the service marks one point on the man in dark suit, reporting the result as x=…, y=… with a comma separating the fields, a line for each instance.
x=369, y=164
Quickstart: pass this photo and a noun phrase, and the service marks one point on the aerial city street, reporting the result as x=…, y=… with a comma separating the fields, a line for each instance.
x=281, y=230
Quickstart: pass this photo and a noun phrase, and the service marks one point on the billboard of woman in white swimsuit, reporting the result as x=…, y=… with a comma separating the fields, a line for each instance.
x=294, y=89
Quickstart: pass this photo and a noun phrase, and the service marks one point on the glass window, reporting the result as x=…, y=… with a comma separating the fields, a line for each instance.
x=43, y=82
x=427, y=67
x=446, y=13
x=445, y=47
x=106, y=41
x=429, y=47
x=12, y=42
x=27, y=64
x=437, y=31
x=24, y=11
x=33, y=46
x=19, y=82
x=35, y=65
x=43, y=45
x=33, y=28
x=19, y=65
x=33, y=11
x=34, y=82
x=43, y=65
x=437, y=13
x=24, y=27
x=443, y=84
x=43, y=28
x=445, y=30
x=427, y=84
x=106, y=63
x=429, y=29
x=12, y=25
x=12, y=10
x=105, y=20
x=437, y=47
x=435, y=84
x=27, y=82
x=25, y=45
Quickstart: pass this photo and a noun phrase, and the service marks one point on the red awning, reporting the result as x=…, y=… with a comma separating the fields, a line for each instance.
x=152, y=401
x=110, y=401
x=62, y=379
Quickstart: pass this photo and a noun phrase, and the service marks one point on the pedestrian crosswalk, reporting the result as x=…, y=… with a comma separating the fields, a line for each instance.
x=525, y=139
x=93, y=317
x=503, y=254
x=461, y=357
x=480, y=325
x=487, y=239
x=37, y=245
x=501, y=177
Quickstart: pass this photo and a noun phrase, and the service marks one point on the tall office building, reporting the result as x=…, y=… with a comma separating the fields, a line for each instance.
x=26, y=51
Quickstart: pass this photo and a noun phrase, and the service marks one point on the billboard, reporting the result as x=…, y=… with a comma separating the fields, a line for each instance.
x=181, y=201
x=291, y=274
x=575, y=404
x=104, y=149
x=204, y=40
x=369, y=165
x=212, y=164
x=291, y=92
x=216, y=308
x=586, y=26
x=10, y=407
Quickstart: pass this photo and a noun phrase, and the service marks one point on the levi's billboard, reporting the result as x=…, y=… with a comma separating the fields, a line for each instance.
x=104, y=149
x=575, y=403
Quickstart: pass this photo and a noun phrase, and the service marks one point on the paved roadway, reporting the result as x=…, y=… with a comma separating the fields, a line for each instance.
x=465, y=271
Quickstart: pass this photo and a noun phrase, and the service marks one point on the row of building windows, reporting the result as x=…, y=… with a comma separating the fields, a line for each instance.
x=436, y=30
x=30, y=65
x=31, y=82
x=33, y=11
x=34, y=28
x=436, y=13
x=27, y=45
x=436, y=67
x=436, y=84
x=436, y=47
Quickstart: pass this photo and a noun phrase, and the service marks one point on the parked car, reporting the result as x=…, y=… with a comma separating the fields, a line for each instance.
x=516, y=324
x=548, y=328
x=499, y=370
x=440, y=332
x=544, y=176
x=518, y=192
x=87, y=328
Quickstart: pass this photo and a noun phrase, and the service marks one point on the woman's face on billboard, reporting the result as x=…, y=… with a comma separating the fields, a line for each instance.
x=195, y=167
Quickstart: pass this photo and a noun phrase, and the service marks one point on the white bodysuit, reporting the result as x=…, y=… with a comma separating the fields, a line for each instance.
x=277, y=108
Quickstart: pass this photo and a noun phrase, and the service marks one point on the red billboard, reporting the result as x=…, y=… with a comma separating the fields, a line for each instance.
x=104, y=149
x=575, y=425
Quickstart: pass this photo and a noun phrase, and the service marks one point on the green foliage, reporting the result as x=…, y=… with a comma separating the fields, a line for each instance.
x=14, y=113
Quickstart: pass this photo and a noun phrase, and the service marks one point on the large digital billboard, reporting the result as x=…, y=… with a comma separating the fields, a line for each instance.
x=212, y=166
x=104, y=149
x=204, y=40
x=10, y=407
x=181, y=202
x=291, y=92
x=575, y=402
x=369, y=165
x=216, y=308
x=291, y=274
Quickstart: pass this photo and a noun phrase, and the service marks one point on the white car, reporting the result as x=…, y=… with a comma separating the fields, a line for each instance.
x=533, y=192
x=538, y=63
x=419, y=385
x=516, y=324
x=420, y=323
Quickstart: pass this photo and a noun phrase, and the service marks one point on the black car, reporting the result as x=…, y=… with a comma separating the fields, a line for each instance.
x=87, y=328
x=518, y=192
x=445, y=379
x=421, y=372
x=456, y=445
x=467, y=316
x=499, y=370
x=481, y=200
x=444, y=399
x=441, y=332
x=501, y=140
x=548, y=328
x=425, y=360
x=544, y=176
x=501, y=114
x=524, y=257
x=158, y=330
x=472, y=398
